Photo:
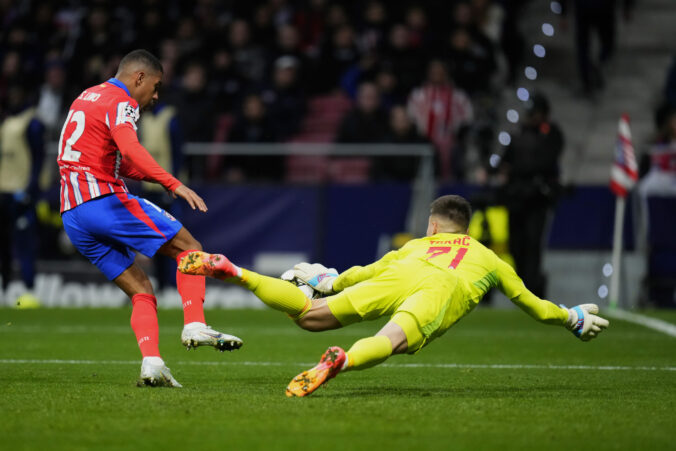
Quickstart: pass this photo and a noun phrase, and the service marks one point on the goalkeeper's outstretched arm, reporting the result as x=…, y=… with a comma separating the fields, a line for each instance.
x=512, y=286
x=581, y=319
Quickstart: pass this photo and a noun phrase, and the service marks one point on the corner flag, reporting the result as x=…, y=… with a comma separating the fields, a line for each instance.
x=623, y=176
x=624, y=173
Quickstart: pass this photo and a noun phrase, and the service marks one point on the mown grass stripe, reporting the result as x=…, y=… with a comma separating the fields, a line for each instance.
x=496, y=366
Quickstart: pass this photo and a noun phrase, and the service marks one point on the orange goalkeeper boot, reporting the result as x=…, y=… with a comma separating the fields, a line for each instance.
x=329, y=366
x=200, y=263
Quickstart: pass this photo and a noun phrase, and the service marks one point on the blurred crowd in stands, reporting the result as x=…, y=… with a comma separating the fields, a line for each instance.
x=278, y=70
x=305, y=71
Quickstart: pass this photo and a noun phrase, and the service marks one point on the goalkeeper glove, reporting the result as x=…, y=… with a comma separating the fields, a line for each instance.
x=583, y=322
x=316, y=275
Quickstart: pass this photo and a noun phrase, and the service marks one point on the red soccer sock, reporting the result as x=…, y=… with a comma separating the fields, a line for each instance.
x=191, y=289
x=144, y=323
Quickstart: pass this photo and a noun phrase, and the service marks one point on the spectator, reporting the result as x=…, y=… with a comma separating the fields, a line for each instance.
x=195, y=107
x=418, y=28
x=531, y=167
x=511, y=39
x=660, y=179
x=18, y=38
x=390, y=90
x=337, y=56
x=364, y=70
x=400, y=131
x=285, y=99
x=373, y=30
x=282, y=11
x=657, y=193
x=336, y=45
x=249, y=59
x=188, y=39
x=366, y=122
x=253, y=125
x=403, y=59
x=473, y=65
x=310, y=23
x=151, y=30
x=196, y=112
x=288, y=44
x=488, y=17
x=21, y=158
x=10, y=74
x=44, y=30
x=464, y=16
x=336, y=17
x=472, y=53
x=264, y=28
x=225, y=82
x=598, y=16
x=50, y=104
x=442, y=113
x=97, y=39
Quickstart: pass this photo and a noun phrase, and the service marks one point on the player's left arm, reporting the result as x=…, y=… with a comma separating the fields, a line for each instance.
x=128, y=171
x=141, y=164
x=581, y=319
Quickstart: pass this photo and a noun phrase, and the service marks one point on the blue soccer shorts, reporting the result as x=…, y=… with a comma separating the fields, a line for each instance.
x=107, y=229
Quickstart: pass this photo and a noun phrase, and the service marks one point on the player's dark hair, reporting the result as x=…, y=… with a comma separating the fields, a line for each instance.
x=144, y=57
x=454, y=208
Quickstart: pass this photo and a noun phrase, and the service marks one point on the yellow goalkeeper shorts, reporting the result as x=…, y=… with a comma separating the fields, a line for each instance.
x=434, y=297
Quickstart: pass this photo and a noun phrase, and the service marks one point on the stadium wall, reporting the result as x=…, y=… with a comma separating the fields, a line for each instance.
x=271, y=227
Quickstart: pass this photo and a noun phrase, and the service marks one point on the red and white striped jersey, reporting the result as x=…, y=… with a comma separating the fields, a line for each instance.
x=438, y=112
x=89, y=160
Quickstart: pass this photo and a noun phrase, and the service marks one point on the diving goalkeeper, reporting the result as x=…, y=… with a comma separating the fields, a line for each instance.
x=425, y=287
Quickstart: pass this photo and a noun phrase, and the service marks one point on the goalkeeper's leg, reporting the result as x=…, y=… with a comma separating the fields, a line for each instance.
x=275, y=293
x=397, y=336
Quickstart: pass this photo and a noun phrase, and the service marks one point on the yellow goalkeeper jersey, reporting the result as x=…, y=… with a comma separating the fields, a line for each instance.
x=478, y=268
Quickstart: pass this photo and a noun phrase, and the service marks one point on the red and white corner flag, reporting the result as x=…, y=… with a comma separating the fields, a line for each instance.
x=624, y=173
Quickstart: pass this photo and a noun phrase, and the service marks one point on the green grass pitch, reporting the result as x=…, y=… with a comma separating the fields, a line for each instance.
x=496, y=380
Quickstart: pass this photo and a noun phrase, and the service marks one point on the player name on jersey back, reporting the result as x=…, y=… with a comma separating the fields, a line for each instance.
x=89, y=96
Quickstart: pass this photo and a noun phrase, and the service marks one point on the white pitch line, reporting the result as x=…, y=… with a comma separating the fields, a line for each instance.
x=390, y=365
x=646, y=321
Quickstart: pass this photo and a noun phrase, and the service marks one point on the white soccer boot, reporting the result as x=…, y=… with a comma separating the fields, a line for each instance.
x=154, y=373
x=199, y=334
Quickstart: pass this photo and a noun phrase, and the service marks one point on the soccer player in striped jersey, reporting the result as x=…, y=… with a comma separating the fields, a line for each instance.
x=425, y=287
x=98, y=146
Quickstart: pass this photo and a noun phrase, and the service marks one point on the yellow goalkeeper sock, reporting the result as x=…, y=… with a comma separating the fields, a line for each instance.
x=276, y=293
x=368, y=352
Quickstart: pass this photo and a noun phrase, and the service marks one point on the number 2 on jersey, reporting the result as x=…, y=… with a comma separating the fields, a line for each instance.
x=436, y=251
x=68, y=154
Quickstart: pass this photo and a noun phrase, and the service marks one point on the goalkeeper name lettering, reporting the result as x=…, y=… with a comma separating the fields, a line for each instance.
x=464, y=241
